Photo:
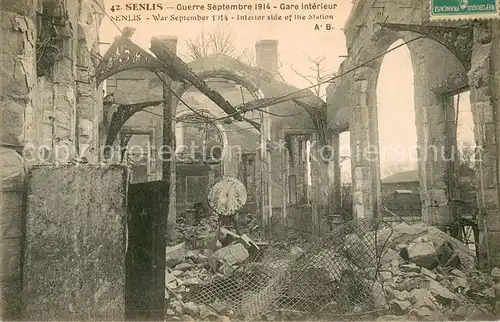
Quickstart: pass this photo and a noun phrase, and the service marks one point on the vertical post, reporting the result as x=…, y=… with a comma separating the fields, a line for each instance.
x=263, y=175
x=169, y=164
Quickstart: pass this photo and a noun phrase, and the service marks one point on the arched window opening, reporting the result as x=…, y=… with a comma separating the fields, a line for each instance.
x=400, y=185
x=396, y=122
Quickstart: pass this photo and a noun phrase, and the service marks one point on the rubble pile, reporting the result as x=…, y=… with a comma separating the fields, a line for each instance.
x=414, y=272
x=191, y=231
x=335, y=275
x=428, y=275
x=189, y=269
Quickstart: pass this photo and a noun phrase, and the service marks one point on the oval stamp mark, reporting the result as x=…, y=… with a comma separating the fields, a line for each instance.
x=464, y=9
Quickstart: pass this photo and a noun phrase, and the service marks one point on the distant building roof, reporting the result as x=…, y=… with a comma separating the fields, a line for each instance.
x=403, y=192
x=405, y=176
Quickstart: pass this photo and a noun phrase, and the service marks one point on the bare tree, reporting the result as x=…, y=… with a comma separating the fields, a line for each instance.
x=316, y=75
x=217, y=42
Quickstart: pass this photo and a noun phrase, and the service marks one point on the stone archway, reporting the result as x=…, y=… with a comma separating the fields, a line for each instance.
x=224, y=141
x=432, y=79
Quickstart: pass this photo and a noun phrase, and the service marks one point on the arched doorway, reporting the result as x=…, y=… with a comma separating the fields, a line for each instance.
x=397, y=135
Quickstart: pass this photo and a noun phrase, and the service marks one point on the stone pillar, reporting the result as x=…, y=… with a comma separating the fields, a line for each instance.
x=494, y=219
x=484, y=103
x=169, y=110
x=325, y=183
x=433, y=116
x=89, y=106
x=267, y=55
x=17, y=83
x=364, y=146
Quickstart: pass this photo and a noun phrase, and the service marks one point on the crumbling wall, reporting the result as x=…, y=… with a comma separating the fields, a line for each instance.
x=17, y=80
x=38, y=112
x=482, y=82
x=74, y=262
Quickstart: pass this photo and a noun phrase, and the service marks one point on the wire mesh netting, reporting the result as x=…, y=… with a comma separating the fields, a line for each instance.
x=337, y=275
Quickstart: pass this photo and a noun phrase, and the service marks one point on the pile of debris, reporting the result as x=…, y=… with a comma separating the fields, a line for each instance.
x=429, y=275
x=414, y=272
x=188, y=269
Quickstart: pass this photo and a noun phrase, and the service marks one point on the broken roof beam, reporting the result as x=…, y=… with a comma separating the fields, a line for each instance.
x=181, y=70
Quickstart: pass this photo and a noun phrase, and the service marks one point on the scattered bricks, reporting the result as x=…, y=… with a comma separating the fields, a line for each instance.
x=175, y=254
x=177, y=273
x=423, y=254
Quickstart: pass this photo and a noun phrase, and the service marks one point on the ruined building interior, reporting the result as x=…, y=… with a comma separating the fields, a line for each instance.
x=66, y=218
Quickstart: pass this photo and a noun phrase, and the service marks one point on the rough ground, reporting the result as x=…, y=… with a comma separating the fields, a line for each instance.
x=426, y=275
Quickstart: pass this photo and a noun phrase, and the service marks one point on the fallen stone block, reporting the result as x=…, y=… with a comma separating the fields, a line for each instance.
x=175, y=254
x=412, y=267
x=183, y=267
x=206, y=312
x=248, y=243
x=191, y=308
x=232, y=254
x=390, y=255
x=423, y=254
x=226, y=269
x=226, y=237
x=441, y=294
x=428, y=273
x=399, y=307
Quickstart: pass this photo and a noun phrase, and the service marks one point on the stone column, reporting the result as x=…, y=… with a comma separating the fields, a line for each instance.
x=494, y=219
x=17, y=83
x=484, y=104
x=433, y=113
x=89, y=106
x=169, y=168
x=364, y=146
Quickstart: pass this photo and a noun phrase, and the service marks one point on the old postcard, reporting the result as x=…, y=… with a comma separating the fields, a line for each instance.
x=192, y=160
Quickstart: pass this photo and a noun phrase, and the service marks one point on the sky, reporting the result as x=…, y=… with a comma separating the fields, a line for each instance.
x=297, y=41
